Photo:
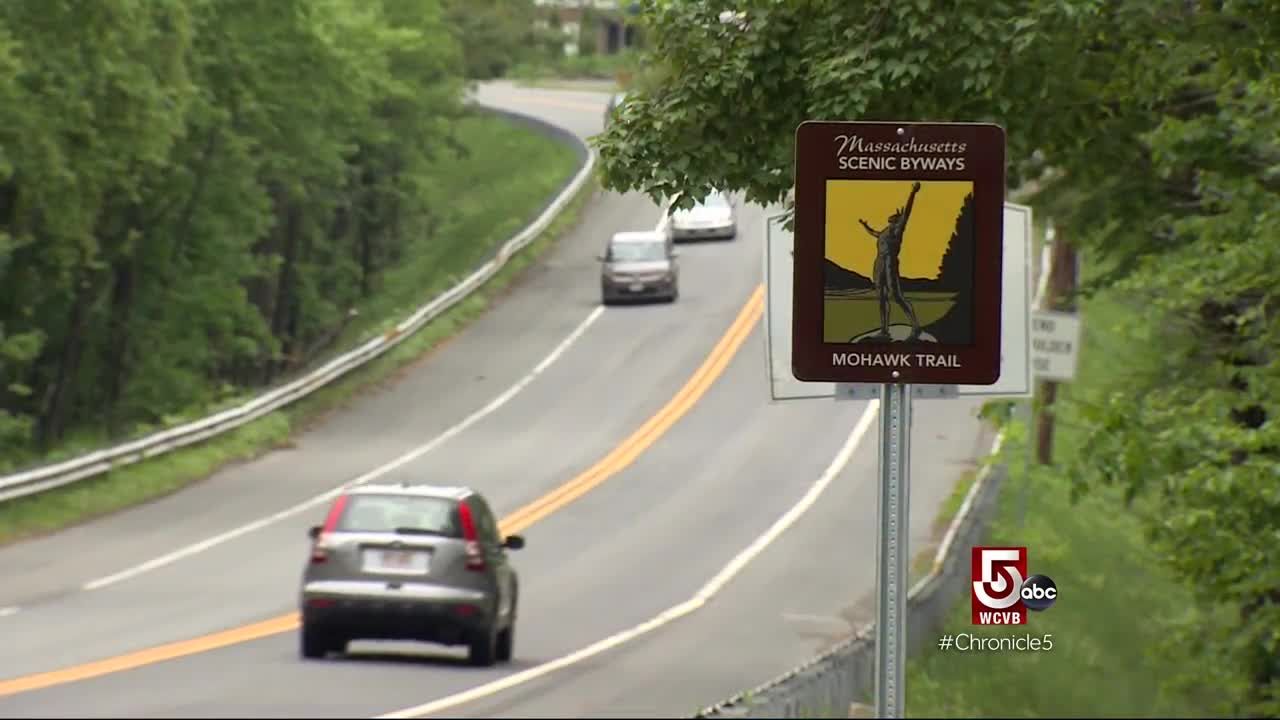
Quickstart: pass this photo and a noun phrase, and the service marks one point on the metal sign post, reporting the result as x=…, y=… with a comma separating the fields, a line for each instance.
x=891, y=580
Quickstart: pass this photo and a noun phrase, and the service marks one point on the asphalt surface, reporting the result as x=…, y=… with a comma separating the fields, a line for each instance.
x=645, y=540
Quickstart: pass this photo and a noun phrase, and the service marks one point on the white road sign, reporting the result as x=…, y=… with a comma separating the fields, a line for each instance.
x=1055, y=345
x=783, y=384
x=1015, y=309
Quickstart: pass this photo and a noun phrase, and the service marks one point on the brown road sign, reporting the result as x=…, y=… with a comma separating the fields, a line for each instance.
x=898, y=237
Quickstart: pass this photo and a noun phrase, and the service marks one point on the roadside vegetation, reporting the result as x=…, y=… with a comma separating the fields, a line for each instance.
x=578, y=70
x=1118, y=649
x=517, y=40
x=1161, y=485
x=190, y=213
x=496, y=36
x=57, y=509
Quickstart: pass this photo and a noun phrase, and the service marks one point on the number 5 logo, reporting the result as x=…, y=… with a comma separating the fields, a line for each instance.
x=1002, y=570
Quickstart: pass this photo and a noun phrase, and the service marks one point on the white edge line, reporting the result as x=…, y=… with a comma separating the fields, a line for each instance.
x=7, y=611
x=702, y=597
x=374, y=474
x=414, y=454
x=867, y=629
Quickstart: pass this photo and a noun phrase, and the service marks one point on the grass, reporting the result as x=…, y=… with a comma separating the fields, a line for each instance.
x=491, y=204
x=583, y=85
x=593, y=66
x=488, y=204
x=922, y=563
x=850, y=316
x=1107, y=659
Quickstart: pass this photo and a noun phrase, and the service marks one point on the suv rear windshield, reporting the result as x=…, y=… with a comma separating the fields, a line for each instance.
x=715, y=200
x=386, y=513
x=637, y=251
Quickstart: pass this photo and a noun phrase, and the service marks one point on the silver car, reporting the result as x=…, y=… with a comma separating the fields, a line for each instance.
x=713, y=217
x=639, y=265
x=410, y=562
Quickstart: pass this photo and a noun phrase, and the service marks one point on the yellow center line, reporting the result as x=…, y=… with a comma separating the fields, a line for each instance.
x=611, y=464
x=648, y=433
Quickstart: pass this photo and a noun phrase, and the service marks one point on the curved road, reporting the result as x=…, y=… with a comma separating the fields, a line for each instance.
x=649, y=425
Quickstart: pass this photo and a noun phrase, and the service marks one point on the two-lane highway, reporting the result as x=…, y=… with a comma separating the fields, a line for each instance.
x=634, y=447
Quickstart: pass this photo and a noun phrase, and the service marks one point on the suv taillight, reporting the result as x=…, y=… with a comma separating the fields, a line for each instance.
x=319, y=553
x=475, y=553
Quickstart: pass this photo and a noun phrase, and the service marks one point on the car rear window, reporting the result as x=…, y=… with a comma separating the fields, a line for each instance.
x=637, y=251
x=715, y=200
x=386, y=513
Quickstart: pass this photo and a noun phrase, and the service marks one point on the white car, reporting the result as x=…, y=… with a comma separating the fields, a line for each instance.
x=714, y=217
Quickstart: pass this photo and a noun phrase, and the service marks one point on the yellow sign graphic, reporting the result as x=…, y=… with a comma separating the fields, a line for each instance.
x=899, y=261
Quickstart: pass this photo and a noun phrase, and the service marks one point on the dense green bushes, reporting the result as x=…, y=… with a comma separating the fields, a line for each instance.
x=195, y=194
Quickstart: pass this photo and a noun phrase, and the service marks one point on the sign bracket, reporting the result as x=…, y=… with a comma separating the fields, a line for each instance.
x=870, y=391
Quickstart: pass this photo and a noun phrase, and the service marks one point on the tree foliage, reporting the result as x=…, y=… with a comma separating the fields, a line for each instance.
x=195, y=193
x=497, y=35
x=1159, y=123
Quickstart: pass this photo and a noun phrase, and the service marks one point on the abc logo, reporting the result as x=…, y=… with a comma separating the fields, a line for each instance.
x=1039, y=592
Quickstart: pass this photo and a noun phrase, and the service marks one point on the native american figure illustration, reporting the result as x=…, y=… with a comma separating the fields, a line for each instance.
x=885, y=275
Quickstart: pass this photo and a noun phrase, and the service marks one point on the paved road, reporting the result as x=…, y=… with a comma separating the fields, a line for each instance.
x=646, y=539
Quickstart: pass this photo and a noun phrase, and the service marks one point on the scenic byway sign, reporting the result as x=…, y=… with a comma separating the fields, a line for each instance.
x=898, y=243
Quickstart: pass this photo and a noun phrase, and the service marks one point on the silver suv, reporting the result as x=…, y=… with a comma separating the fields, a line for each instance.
x=410, y=562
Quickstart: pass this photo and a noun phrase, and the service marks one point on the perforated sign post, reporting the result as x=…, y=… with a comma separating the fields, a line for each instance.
x=897, y=283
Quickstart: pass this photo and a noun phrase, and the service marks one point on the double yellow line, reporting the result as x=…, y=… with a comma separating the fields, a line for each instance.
x=653, y=428
x=615, y=462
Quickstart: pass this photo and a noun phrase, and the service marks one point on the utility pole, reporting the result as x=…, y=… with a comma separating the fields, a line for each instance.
x=1059, y=295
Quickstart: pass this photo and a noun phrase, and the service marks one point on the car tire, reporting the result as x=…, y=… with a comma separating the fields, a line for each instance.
x=483, y=648
x=506, y=643
x=314, y=643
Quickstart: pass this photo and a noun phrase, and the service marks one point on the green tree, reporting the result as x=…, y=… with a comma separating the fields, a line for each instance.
x=495, y=34
x=955, y=272
x=98, y=110
x=194, y=193
x=1158, y=123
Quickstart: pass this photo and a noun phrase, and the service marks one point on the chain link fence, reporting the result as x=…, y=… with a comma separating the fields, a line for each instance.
x=828, y=685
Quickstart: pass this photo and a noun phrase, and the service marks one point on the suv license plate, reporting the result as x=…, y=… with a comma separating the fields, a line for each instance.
x=406, y=562
x=637, y=286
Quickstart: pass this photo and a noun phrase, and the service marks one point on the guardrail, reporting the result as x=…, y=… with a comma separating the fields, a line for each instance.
x=54, y=475
x=829, y=685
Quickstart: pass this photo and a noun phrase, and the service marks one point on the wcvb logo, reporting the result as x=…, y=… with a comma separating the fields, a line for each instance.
x=1002, y=592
